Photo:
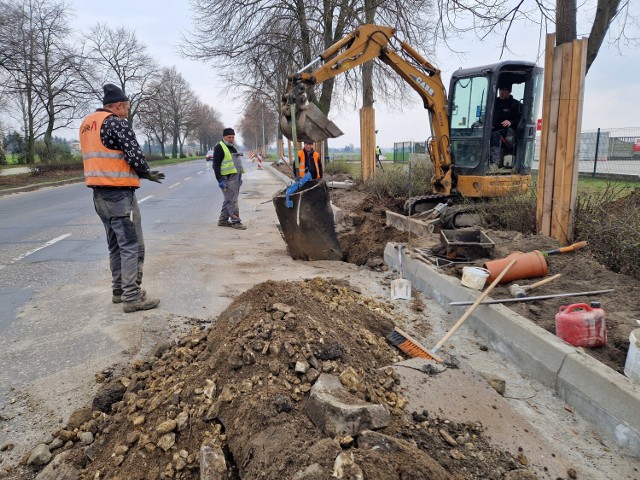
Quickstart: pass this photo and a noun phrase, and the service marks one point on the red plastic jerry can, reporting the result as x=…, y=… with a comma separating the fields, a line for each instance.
x=582, y=325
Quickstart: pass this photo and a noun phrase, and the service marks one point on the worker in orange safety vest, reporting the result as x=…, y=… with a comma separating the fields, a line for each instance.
x=309, y=161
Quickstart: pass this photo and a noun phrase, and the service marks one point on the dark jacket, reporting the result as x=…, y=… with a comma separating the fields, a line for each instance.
x=507, y=109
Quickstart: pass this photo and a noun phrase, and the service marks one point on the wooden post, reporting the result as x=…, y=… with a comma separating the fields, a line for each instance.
x=565, y=67
x=367, y=142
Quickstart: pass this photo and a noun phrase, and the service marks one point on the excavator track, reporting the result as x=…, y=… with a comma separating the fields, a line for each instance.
x=423, y=203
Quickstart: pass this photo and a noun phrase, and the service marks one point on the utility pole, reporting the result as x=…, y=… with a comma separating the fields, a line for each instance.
x=264, y=147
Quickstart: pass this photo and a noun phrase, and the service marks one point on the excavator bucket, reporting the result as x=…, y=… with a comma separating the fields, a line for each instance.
x=306, y=221
x=311, y=123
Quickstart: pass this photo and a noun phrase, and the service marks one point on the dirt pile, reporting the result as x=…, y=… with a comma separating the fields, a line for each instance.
x=241, y=389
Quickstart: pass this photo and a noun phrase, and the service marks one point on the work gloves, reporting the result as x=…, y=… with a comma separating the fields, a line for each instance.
x=222, y=184
x=156, y=176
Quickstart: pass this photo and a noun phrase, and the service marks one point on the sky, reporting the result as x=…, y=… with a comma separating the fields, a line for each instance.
x=612, y=86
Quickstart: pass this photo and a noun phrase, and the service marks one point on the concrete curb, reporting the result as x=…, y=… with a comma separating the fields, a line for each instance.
x=605, y=398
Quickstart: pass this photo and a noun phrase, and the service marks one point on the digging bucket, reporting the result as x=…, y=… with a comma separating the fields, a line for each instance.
x=307, y=227
x=311, y=124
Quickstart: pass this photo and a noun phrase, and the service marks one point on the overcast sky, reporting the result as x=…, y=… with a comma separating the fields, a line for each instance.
x=611, y=96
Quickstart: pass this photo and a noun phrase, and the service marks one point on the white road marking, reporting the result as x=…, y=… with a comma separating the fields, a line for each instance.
x=188, y=178
x=175, y=185
x=200, y=172
x=145, y=198
x=49, y=243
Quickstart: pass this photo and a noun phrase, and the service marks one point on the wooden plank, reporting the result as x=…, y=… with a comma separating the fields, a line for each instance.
x=559, y=182
x=367, y=142
x=579, y=68
x=548, y=186
x=544, y=134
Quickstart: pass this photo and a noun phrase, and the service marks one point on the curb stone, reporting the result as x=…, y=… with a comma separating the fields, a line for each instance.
x=605, y=398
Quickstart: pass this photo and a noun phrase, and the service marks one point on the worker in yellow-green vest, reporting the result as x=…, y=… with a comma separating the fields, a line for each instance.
x=309, y=161
x=227, y=166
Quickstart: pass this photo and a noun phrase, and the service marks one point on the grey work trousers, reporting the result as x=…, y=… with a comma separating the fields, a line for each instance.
x=230, y=210
x=118, y=209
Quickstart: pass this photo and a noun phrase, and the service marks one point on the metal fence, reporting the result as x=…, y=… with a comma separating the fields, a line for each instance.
x=402, y=150
x=611, y=151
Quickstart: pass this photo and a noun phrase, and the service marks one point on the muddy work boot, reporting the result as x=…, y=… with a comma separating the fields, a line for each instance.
x=117, y=298
x=224, y=223
x=238, y=226
x=142, y=304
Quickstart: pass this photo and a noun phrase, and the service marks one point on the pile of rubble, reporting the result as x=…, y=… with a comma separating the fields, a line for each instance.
x=291, y=381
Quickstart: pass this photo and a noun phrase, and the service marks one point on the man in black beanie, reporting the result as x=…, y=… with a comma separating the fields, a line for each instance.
x=113, y=166
x=228, y=169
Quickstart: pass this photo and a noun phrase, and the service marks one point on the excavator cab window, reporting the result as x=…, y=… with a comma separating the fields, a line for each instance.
x=472, y=99
x=468, y=111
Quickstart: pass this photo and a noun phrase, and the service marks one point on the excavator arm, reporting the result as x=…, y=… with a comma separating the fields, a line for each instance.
x=365, y=44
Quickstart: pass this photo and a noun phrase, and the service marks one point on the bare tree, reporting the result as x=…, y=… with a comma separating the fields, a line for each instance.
x=38, y=65
x=500, y=16
x=257, y=124
x=117, y=56
x=273, y=39
x=155, y=116
x=208, y=127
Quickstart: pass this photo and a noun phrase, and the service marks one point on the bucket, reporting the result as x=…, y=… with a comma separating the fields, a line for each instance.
x=474, y=277
x=529, y=265
x=582, y=325
x=308, y=228
x=632, y=365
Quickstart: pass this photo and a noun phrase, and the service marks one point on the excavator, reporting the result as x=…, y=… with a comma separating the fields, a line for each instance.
x=461, y=126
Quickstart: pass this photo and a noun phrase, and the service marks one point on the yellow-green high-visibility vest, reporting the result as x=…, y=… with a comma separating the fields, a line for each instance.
x=227, y=166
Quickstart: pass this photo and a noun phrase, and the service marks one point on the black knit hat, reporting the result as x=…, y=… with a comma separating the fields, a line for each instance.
x=113, y=94
x=228, y=131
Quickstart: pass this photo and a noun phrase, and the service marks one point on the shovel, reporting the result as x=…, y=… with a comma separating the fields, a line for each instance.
x=400, y=288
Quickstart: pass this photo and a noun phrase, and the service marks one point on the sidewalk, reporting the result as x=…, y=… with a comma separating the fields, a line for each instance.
x=14, y=170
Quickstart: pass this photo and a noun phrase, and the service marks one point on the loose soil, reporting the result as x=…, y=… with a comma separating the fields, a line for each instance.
x=241, y=388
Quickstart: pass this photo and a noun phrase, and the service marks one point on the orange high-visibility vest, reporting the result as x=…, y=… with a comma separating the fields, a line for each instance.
x=302, y=167
x=103, y=167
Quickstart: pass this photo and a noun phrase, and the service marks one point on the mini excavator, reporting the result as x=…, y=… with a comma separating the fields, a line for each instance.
x=461, y=126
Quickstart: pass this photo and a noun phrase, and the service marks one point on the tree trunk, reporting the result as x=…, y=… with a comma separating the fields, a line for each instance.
x=605, y=12
x=565, y=21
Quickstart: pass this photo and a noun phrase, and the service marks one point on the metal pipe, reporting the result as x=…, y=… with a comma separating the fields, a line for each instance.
x=313, y=62
x=595, y=160
x=540, y=297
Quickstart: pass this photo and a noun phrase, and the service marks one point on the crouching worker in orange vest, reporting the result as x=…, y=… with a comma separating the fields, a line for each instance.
x=113, y=166
x=309, y=161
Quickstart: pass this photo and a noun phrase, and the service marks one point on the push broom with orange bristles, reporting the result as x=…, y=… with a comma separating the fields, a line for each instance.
x=412, y=347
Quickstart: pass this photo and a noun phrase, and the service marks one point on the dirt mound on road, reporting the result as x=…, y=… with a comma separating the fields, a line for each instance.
x=241, y=388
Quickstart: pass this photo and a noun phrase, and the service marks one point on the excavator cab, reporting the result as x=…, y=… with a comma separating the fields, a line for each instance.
x=471, y=105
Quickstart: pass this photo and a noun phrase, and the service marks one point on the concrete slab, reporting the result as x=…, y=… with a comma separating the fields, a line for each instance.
x=506, y=428
x=610, y=401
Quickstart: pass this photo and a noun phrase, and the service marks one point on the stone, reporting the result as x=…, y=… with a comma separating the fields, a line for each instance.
x=212, y=463
x=40, y=455
x=167, y=441
x=337, y=413
x=166, y=427
x=497, y=383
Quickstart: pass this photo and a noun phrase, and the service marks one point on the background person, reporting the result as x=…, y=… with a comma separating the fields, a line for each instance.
x=309, y=161
x=227, y=167
x=506, y=115
x=113, y=166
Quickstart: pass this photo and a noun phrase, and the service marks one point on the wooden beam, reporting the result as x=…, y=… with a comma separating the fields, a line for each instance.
x=544, y=134
x=367, y=142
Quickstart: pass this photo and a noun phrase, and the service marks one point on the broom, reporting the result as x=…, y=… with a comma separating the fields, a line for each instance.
x=413, y=348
